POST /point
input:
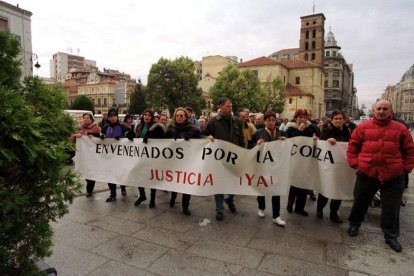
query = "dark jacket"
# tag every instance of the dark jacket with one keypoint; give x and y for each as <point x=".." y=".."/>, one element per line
<point x="155" y="131"/>
<point x="112" y="131"/>
<point x="340" y="135"/>
<point x="263" y="134"/>
<point x="381" y="149"/>
<point x="293" y="131"/>
<point x="229" y="129"/>
<point x="182" y="131"/>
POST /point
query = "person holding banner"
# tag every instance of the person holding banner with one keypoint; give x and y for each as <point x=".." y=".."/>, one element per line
<point x="88" y="128"/>
<point x="300" y="127"/>
<point x="225" y="126"/>
<point x="113" y="130"/>
<point x="182" y="128"/>
<point x="333" y="132"/>
<point x="148" y="129"/>
<point x="381" y="151"/>
<point x="268" y="134"/>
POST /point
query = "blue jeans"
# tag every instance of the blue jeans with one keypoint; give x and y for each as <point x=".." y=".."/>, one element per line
<point x="220" y="202"/>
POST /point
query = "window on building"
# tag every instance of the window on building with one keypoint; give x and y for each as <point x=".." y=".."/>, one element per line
<point x="99" y="101"/>
<point x="326" y="83"/>
<point x="255" y="72"/>
<point x="4" y="27"/>
<point x="306" y="56"/>
<point x="314" y="33"/>
<point x="327" y="53"/>
<point x="297" y="80"/>
<point x="313" y="56"/>
<point x="326" y="74"/>
<point x="284" y="79"/>
<point x="290" y="100"/>
<point x="335" y="83"/>
<point x="307" y="34"/>
<point x="313" y="45"/>
<point x="334" y="54"/>
<point x="105" y="102"/>
<point x="336" y="73"/>
<point x="306" y="46"/>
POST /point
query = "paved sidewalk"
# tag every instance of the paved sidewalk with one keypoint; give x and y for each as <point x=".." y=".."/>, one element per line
<point x="117" y="238"/>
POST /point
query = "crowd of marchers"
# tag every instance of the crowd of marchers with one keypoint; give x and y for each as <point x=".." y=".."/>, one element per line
<point x="381" y="150"/>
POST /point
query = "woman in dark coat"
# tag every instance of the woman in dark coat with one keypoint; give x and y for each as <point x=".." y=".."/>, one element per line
<point x="148" y="129"/>
<point x="300" y="127"/>
<point x="182" y="128"/>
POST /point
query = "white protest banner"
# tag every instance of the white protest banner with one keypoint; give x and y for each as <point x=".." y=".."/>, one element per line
<point x="197" y="167"/>
<point x="320" y="166"/>
<point x="201" y="167"/>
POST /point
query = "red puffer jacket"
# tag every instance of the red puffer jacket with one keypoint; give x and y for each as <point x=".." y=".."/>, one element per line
<point x="381" y="149"/>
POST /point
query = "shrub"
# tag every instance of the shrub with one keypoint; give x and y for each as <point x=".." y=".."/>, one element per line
<point x="35" y="183"/>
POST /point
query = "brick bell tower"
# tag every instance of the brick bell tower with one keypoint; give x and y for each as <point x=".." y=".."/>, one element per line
<point x="312" y="38"/>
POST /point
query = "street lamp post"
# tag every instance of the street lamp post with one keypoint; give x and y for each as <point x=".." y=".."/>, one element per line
<point x="35" y="58"/>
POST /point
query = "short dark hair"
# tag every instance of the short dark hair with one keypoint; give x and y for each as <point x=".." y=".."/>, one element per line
<point x="223" y="100"/>
<point x="269" y="114"/>
<point x="337" y="112"/>
<point x="127" y="117"/>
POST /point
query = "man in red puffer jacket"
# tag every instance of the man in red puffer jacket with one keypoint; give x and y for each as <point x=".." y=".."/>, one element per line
<point x="382" y="152"/>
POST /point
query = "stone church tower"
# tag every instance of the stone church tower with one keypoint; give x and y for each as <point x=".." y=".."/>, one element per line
<point x="312" y="38"/>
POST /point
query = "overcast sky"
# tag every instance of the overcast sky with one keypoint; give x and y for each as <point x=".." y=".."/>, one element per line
<point x="129" y="36"/>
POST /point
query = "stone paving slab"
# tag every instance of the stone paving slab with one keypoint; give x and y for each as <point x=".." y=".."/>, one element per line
<point x="116" y="225"/>
<point x="165" y="237"/>
<point x="113" y="268"/>
<point x="293" y="245"/>
<point x="229" y="253"/>
<point x="178" y="263"/>
<point x="71" y="261"/>
<point x="232" y="233"/>
<point x="369" y="260"/>
<point x="83" y="236"/>
<point x="130" y="251"/>
<point x="281" y="265"/>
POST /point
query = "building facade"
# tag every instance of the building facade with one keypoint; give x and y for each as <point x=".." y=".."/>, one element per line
<point x="207" y="72"/>
<point x="303" y="82"/>
<point x="339" y="78"/>
<point x="62" y="63"/>
<point x="285" y="54"/>
<point x="17" y="21"/>
<point x="403" y="97"/>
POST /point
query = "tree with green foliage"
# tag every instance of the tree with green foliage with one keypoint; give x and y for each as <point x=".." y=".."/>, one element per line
<point x="242" y="87"/>
<point x="138" y="99"/>
<point x="35" y="183"/>
<point x="10" y="65"/>
<point x="172" y="84"/>
<point x="82" y="102"/>
<point x="274" y="91"/>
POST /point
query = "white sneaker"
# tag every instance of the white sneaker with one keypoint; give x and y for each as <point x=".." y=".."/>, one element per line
<point x="279" y="221"/>
<point x="261" y="213"/>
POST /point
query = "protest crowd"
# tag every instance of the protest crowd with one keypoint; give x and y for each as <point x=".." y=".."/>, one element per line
<point x="380" y="150"/>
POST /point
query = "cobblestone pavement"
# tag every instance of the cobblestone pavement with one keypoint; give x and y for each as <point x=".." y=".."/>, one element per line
<point x="117" y="238"/>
